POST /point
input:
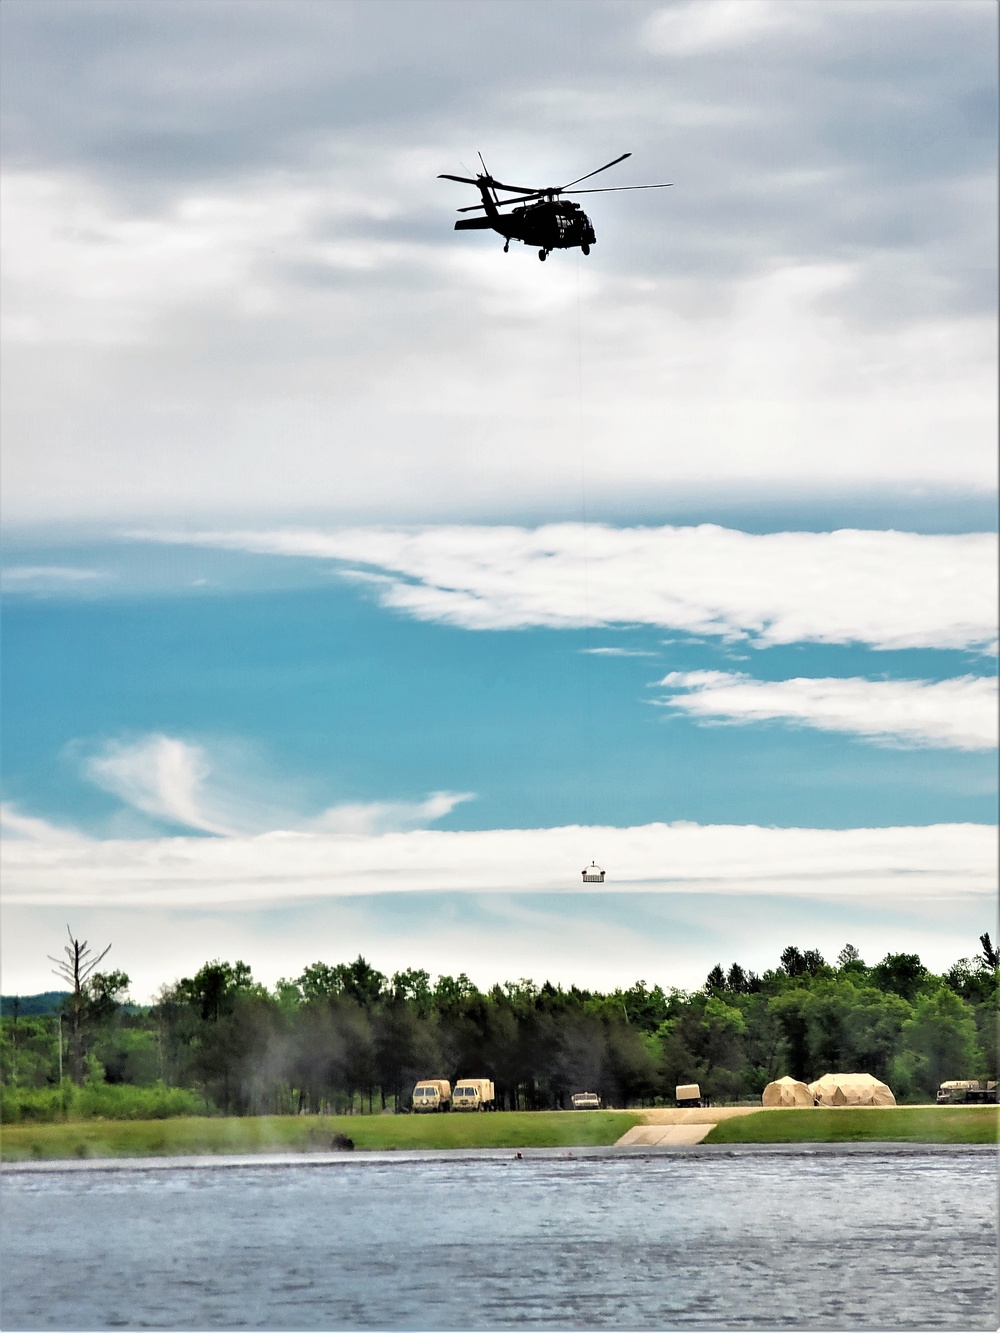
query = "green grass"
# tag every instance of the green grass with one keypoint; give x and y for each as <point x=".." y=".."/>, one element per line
<point x="290" y="1133"/>
<point x="897" y="1124"/>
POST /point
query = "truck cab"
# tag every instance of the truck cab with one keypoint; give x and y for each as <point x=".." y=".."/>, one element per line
<point x="474" y="1094"/>
<point x="432" y="1094"/>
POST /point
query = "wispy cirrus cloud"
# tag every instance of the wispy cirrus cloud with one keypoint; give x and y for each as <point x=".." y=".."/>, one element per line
<point x="179" y="781"/>
<point x="34" y="578"/>
<point x="617" y="652"/>
<point x="960" y="713"/>
<point x="883" y="588"/>
<point x="162" y="776"/>
<point x="367" y="818"/>
<point x="932" y="862"/>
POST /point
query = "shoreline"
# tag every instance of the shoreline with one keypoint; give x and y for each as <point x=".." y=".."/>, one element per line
<point x="416" y="1156"/>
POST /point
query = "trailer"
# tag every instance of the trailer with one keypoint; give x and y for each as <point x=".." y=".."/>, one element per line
<point x="689" y="1095"/>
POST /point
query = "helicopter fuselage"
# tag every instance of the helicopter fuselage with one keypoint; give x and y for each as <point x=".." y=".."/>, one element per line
<point x="551" y="224"/>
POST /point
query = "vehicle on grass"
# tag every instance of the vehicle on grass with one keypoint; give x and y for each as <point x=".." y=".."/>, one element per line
<point x="432" y="1094"/>
<point x="586" y="1101"/>
<point x="689" y="1095"/>
<point x="969" y="1091"/>
<point x="474" y="1094"/>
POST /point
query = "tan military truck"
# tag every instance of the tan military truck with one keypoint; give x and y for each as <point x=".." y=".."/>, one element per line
<point x="474" y="1094"/>
<point x="959" y="1091"/>
<point x="585" y="1101"/>
<point x="432" y="1094"/>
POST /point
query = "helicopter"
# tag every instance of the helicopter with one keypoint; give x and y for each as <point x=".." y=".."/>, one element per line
<point x="539" y="217"/>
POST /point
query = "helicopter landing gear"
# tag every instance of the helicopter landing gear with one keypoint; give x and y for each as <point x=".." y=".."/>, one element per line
<point x="543" y="255"/>
<point x="506" y="246"/>
<point x="585" y="249"/>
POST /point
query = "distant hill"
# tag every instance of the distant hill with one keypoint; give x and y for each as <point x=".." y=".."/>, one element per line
<point x="31" y="1006"/>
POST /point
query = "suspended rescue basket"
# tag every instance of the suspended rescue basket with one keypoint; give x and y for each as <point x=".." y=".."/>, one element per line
<point x="593" y="874"/>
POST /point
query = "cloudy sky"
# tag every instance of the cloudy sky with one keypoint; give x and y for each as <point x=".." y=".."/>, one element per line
<point x="363" y="582"/>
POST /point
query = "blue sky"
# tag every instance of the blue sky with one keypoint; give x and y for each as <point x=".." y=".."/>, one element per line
<point x="332" y="698"/>
<point x="362" y="583"/>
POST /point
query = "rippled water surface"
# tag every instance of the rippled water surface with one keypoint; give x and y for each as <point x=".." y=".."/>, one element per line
<point x="746" y="1240"/>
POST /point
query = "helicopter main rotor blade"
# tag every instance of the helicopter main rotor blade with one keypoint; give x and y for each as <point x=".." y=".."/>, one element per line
<point x="597" y="172"/>
<point x="471" y="208"/>
<point x="610" y="189"/>
<point x="488" y="180"/>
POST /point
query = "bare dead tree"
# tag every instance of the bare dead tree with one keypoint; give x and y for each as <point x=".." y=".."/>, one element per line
<point x="75" y="969"/>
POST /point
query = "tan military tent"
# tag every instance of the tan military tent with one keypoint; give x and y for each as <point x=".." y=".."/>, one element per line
<point x="786" y="1092"/>
<point x="851" y="1090"/>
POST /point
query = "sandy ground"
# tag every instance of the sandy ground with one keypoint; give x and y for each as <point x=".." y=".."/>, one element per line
<point x="657" y="1136"/>
<point x="698" y="1115"/>
<point x="667" y="1125"/>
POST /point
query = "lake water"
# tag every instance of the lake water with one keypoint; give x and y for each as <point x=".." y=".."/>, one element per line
<point x="876" y="1239"/>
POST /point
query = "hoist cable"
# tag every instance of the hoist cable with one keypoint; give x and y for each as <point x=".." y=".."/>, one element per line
<point x="587" y="670"/>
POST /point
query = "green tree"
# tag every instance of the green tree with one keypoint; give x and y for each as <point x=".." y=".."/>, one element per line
<point x="362" y="983"/>
<point x="724" y="1032"/>
<point x="214" y="988"/>
<point x="940" y="1039"/>
<point x="902" y="973"/>
<point x="715" y="982"/>
<point x="794" y="1052"/>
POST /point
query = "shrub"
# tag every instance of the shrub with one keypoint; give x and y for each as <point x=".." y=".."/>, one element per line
<point x="106" y="1101"/>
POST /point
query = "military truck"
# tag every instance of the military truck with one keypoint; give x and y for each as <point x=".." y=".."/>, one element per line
<point x="432" y="1094"/>
<point x="958" y="1091"/>
<point x="474" y="1094"/>
<point x="585" y="1101"/>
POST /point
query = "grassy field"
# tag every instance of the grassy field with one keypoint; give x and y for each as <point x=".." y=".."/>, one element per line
<point x="514" y="1129"/>
<point x="290" y="1133"/>
<point x="897" y="1124"/>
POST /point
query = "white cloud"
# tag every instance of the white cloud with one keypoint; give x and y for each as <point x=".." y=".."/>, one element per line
<point x="617" y="652"/>
<point x="15" y="577"/>
<point x="887" y="589"/>
<point x="960" y="713"/>
<point x="719" y="25"/>
<point x="179" y="781"/>
<point x="79" y="270"/>
<point x="373" y="817"/>
<point x="936" y="861"/>
<point x="15" y="824"/>
<point x="212" y="282"/>
<point x="160" y="775"/>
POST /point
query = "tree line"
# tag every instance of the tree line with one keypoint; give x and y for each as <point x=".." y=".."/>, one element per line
<point x="346" y="1038"/>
